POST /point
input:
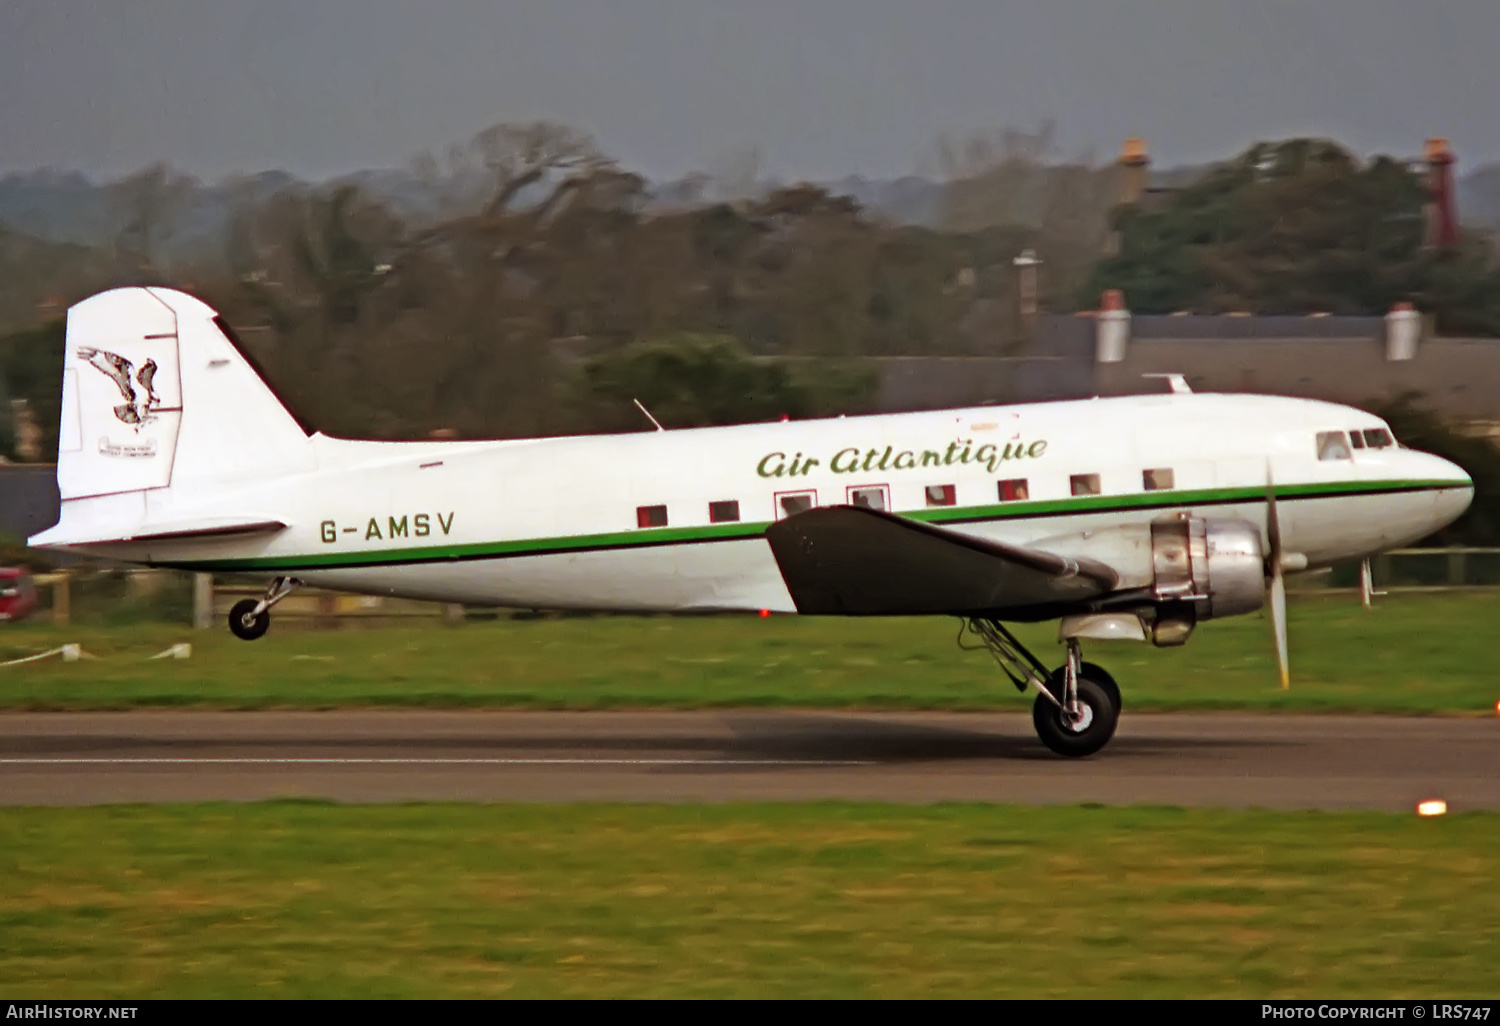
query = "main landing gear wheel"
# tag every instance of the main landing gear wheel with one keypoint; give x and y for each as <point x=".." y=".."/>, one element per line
<point x="1077" y="705"/>
<point x="1087" y="730"/>
<point x="246" y="623"/>
<point x="1099" y="675"/>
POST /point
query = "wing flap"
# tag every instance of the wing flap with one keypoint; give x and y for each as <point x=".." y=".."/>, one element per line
<point x="860" y="562"/>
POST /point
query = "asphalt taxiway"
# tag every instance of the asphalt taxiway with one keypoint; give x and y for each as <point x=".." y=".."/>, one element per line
<point x="1230" y="760"/>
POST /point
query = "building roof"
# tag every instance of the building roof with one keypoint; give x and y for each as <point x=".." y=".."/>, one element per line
<point x="29" y="501"/>
<point x="1340" y="359"/>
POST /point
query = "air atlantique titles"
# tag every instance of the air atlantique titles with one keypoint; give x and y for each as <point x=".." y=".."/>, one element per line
<point x="857" y="461"/>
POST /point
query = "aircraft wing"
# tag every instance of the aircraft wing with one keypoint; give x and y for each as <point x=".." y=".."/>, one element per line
<point x="849" y="560"/>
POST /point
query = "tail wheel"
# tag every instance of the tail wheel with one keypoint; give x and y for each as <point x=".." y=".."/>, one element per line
<point x="244" y="622"/>
<point x="1099" y="713"/>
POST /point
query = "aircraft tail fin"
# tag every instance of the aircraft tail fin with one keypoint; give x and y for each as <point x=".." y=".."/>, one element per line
<point x="161" y="408"/>
<point x="157" y="393"/>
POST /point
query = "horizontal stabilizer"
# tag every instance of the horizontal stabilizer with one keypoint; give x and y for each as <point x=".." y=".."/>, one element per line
<point x="848" y="560"/>
<point x="206" y="528"/>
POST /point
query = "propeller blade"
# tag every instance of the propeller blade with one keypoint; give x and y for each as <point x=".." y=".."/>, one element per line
<point x="1276" y="599"/>
<point x="1276" y="581"/>
<point x="1273" y="523"/>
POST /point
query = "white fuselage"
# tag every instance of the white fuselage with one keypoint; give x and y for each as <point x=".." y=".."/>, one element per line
<point x="556" y="523"/>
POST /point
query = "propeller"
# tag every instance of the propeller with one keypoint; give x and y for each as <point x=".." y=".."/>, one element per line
<point x="1276" y="581"/>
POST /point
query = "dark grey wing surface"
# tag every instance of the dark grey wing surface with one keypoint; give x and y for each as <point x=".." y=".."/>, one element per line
<point x="852" y="561"/>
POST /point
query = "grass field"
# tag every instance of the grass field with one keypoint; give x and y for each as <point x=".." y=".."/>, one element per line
<point x="1415" y="654"/>
<point x="301" y="899"/>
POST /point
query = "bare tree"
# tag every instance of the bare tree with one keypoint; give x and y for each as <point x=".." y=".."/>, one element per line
<point x="144" y="205"/>
<point x="520" y="156"/>
<point x="976" y="153"/>
<point x="735" y="175"/>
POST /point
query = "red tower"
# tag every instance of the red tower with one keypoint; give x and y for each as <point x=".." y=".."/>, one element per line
<point x="1442" y="213"/>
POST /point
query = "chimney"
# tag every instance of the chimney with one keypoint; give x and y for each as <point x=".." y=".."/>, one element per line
<point x="1026" y="288"/>
<point x="1134" y="164"/>
<point x="1112" y="329"/>
<point x="1442" y="206"/>
<point x="1403" y="330"/>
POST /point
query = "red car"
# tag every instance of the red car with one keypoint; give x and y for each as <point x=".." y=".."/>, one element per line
<point x="17" y="594"/>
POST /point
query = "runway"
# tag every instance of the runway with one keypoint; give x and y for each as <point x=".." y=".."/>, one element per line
<point x="1229" y="760"/>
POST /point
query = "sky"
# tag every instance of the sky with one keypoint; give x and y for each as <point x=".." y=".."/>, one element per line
<point x="819" y="89"/>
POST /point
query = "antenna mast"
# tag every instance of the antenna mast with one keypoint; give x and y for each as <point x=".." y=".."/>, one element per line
<point x="647" y="412"/>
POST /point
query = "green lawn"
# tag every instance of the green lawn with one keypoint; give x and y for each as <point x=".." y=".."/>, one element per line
<point x="1417" y="654"/>
<point x="303" y="899"/>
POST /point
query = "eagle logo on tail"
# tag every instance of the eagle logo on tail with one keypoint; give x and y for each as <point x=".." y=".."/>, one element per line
<point x="133" y="411"/>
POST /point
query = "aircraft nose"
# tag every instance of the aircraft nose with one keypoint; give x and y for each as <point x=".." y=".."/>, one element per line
<point x="1456" y="493"/>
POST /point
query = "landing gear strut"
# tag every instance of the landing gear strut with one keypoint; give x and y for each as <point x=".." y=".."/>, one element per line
<point x="250" y="618"/>
<point x="1077" y="705"/>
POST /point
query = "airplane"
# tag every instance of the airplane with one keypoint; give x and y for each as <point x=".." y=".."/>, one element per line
<point x="1132" y="518"/>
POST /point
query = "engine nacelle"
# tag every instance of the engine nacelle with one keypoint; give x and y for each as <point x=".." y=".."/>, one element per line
<point x="1203" y="569"/>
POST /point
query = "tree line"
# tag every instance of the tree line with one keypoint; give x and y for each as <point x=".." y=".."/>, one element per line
<point x="541" y="287"/>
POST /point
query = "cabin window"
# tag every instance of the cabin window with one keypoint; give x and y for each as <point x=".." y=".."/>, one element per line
<point x="1159" y="480"/>
<point x="1378" y="438"/>
<point x="723" y="512"/>
<point x="1085" y="484"/>
<point x="651" y="516"/>
<point x="789" y="504"/>
<point x="1333" y="445"/>
<point x="870" y="497"/>
<point x="1014" y="490"/>
<point x="941" y="495"/>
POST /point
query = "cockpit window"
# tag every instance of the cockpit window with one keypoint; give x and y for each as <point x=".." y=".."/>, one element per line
<point x="1378" y="438"/>
<point x="1333" y="445"/>
<point x="1356" y="439"/>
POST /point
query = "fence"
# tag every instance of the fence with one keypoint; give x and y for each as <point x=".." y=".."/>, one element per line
<point x="1397" y="572"/>
<point x="207" y="601"/>
<point x="1410" y="570"/>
